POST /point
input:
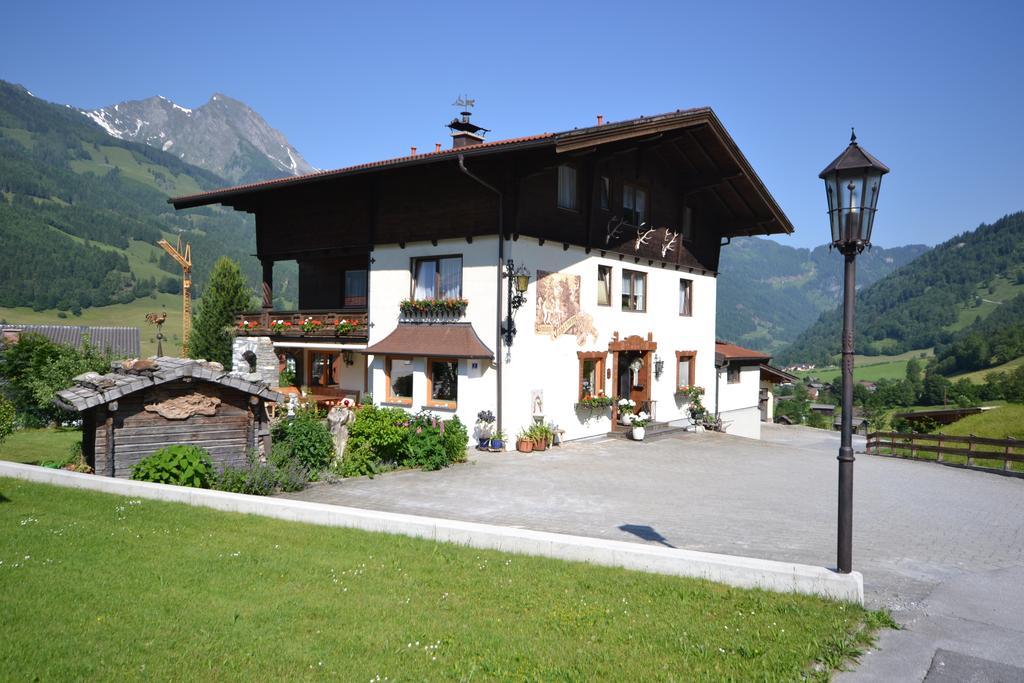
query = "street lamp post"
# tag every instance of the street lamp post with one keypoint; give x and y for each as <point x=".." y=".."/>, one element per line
<point x="852" y="184"/>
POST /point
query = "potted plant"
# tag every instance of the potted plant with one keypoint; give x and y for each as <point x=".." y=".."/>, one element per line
<point x="345" y="327"/>
<point x="639" y="423"/>
<point x="524" y="442"/>
<point x="484" y="429"/>
<point x="693" y="393"/>
<point x="538" y="433"/>
<point x="626" y="406"/>
<point x="498" y="441"/>
<point x="247" y="326"/>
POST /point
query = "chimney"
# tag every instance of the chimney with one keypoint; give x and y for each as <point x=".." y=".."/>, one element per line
<point x="465" y="132"/>
<point x="437" y="146"/>
<point x="600" y="120"/>
<point x="412" y="151"/>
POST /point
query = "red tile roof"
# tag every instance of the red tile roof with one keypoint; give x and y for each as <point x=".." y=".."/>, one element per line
<point x="734" y="352"/>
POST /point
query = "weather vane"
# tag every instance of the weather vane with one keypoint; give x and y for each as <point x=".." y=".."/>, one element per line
<point x="464" y="102"/>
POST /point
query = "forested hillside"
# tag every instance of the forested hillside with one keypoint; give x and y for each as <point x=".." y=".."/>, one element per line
<point x="80" y="211"/>
<point x="986" y="342"/>
<point x="769" y="292"/>
<point x="927" y="302"/>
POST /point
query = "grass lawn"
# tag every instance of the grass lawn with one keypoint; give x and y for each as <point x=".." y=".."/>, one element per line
<point x="94" y="586"/>
<point x="999" y="423"/>
<point x="1006" y="420"/>
<point x="36" y="445"/>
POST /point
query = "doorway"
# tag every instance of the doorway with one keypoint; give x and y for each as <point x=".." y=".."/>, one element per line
<point x="633" y="380"/>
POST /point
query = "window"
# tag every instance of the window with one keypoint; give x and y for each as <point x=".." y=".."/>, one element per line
<point x="685" y="297"/>
<point x="733" y="373"/>
<point x="604" y="285"/>
<point x="591" y="373"/>
<point x="442" y="383"/>
<point x="686" y="366"/>
<point x="606" y="191"/>
<point x="398" y="373"/>
<point x="355" y="289"/>
<point x="634" y="204"/>
<point x="567" y="188"/>
<point x="634" y="289"/>
<point x="438" y="278"/>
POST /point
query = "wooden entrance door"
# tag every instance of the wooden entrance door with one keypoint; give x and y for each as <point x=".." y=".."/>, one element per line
<point x="634" y="384"/>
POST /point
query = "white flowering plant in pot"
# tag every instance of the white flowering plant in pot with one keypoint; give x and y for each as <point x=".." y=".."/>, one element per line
<point x="626" y="406"/>
<point x="639" y="423"/>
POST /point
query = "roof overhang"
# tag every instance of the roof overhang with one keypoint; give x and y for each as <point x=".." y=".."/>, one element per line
<point x="776" y="376"/>
<point x="433" y="340"/>
<point x="702" y="129"/>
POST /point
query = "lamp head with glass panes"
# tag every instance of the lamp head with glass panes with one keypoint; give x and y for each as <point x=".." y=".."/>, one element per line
<point x="852" y="184"/>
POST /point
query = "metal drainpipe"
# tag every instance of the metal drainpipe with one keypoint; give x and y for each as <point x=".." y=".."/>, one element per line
<point x="501" y="264"/>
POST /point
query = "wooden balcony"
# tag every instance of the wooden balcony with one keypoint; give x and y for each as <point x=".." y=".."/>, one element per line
<point x="344" y="324"/>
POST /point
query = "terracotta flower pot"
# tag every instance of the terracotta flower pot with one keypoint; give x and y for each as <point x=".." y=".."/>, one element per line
<point x="540" y="444"/>
<point x="524" y="445"/>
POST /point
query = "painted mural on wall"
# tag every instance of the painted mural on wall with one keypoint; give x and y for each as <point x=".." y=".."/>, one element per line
<point x="558" y="307"/>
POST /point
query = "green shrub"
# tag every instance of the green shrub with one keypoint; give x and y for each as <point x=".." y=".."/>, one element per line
<point x="292" y="477"/>
<point x="385" y="429"/>
<point x="180" y="465"/>
<point x="7" y="417"/>
<point x="390" y="437"/>
<point x="303" y="439"/>
<point x="455" y="438"/>
<point x="257" y="479"/>
<point x="425" y="450"/>
<point x="360" y="461"/>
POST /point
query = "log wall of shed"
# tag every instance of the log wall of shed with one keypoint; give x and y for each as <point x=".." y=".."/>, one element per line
<point x="133" y="433"/>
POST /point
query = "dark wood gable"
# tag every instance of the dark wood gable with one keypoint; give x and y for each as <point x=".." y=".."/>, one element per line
<point x="694" y="176"/>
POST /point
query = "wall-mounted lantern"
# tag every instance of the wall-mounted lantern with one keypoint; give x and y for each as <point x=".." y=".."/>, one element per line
<point x="518" y="282"/>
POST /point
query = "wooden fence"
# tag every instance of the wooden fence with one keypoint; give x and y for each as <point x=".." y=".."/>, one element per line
<point x="972" y="451"/>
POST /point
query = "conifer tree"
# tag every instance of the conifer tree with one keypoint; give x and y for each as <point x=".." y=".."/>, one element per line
<point x="225" y="294"/>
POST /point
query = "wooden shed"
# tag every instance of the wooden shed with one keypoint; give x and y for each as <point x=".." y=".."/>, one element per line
<point x="144" y="405"/>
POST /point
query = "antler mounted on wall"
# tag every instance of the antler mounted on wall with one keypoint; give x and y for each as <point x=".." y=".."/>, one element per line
<point x="642" y="236"/>
<point x="613" y="229"/>
<point x="667" y="244"/>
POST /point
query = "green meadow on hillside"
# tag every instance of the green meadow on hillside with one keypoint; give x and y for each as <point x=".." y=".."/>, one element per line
<point x="131" y="315"/>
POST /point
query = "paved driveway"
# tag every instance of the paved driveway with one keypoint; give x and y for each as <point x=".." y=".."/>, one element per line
<point x="942" y="548"/>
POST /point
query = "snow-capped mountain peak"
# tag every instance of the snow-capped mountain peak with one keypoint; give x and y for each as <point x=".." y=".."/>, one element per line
<point x="224" y="136"/>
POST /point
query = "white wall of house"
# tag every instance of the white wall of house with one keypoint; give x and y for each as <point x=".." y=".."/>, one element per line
<point x="542" y="363"/>
<point x="738" y="402"/>
<point x="390" y="281"/>
<point x="538" y="361"/>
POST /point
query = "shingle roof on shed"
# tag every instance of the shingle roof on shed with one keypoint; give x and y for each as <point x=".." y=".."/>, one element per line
<point x="93" y="389"/>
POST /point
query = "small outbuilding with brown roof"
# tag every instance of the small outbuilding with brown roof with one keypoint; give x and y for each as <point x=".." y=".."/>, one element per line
<point x="145" y="405"/>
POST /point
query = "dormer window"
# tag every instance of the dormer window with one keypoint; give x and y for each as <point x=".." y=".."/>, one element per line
<point x="567" y="186"/>
<point x="634" y="204"/>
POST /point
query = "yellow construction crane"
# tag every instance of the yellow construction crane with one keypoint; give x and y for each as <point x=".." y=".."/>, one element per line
<point x="184" y="259"/>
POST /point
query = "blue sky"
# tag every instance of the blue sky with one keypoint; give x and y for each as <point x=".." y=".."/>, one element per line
<point x="935" y="89"/>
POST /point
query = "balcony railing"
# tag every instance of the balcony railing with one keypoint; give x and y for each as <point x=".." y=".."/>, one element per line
<point x="345" y="323"/>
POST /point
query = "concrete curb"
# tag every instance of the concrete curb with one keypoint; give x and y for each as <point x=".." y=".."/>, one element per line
<point x="743" y="572"/>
